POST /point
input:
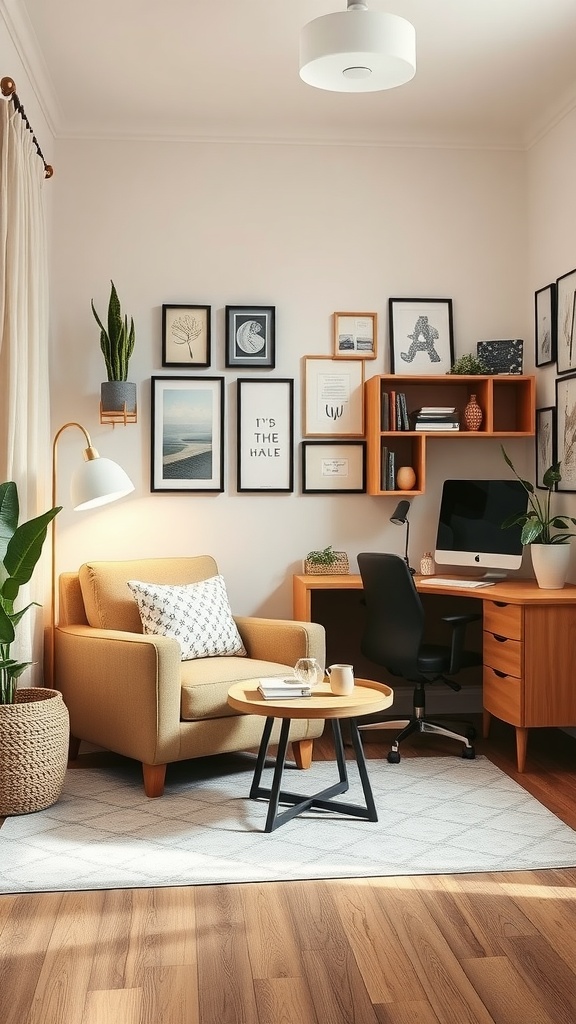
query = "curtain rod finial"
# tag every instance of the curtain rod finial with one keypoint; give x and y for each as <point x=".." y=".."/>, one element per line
<point x="8" y="86"/>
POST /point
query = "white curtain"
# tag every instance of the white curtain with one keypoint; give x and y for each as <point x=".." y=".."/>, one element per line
<point x="24" y="395"/>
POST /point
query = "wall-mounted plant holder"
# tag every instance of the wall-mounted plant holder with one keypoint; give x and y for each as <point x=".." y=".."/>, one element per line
<point x="118" y="402"/>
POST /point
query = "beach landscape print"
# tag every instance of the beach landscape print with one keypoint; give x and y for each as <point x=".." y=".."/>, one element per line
<point x="187" y="434"/>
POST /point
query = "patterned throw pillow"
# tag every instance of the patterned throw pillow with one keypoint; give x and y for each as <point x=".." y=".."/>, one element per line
<point x="197" y="615"/>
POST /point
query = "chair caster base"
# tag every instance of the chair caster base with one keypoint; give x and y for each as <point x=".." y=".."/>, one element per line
<point x="468" y="753"/>
<point x="394" y="757"/>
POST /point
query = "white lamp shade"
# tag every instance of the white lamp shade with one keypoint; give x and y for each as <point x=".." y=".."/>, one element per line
<point x="97" y="482"/>
<point x="357" y="51"/>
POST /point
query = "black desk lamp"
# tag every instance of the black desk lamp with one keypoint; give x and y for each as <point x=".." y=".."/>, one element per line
<point x="400" y="518"/>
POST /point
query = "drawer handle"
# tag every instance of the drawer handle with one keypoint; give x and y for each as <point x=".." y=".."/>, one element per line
<point x="500" y="639"/>
<point x="501" y="675"/>
<point x="501" y="604"/>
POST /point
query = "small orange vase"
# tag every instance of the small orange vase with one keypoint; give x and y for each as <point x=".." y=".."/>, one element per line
<point x="405" y="478"/>
<point x="472" y="414"/>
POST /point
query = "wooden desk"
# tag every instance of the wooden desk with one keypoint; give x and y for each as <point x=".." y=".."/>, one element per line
<point x="528" y="648"/>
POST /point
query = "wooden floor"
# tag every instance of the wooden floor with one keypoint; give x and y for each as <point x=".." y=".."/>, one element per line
<point x="458" y="949"/>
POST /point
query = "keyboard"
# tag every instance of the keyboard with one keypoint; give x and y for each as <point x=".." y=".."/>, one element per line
<point x="435" y="581"/>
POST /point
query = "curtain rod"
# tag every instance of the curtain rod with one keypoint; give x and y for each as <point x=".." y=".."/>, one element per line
<point x="8" y="87"/>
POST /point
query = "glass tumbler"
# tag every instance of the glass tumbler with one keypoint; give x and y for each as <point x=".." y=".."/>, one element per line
<point x="309" y="670"/>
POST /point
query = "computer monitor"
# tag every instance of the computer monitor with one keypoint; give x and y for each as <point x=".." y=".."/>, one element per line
<point x="470" y="525"/>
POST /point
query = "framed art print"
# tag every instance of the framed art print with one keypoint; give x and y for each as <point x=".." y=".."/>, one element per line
<point x="187" y="434"/>
<point x="421" y="336"/>
<point x="333" y="397"/>
<point x="333" y="467"/>
<point x="565" y="326"/>
<point x="545" y="442"/>
<point x="566" y="432"/>
<point x="251" y="336"/>
<point x="545" y="325"/>
<point x="355" y="335"/>
<point x="265" y="420"/>
<point x="185" y="335"/>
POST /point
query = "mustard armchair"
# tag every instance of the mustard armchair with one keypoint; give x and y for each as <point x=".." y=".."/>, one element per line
<point x="131" y="693"/>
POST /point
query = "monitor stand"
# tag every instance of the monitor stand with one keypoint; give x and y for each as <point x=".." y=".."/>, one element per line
<point x="494" y="574"/>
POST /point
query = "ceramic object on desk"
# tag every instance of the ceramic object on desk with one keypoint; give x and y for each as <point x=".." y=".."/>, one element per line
<point x="472" y="414"/>
<point x="405" y="478"/>
<point x="550" y="563"/>
<point x="427" y="565"/>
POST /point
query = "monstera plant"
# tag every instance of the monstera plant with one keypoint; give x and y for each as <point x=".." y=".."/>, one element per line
<point x="20" y="548"/>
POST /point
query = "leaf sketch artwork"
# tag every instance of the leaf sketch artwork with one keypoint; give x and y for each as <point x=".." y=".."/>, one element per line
<point x="185" y="335"/>
<point x="185" y="330"/>
<point x="565" y="319"/>
<point x="545" y="442"/>
<point x="566" y="432"/>
<point x="545" y="324"/>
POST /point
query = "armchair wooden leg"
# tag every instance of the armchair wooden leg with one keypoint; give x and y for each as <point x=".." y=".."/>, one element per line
<point x="73" y="747"/>
<point x="302" y="752"/>
<point x="154" y="779"/>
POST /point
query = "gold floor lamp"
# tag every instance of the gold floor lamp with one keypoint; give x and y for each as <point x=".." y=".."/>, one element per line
<point x="97" y="481"/>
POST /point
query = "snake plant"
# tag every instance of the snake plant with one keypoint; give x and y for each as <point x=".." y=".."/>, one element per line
<point x="116" y="342"/>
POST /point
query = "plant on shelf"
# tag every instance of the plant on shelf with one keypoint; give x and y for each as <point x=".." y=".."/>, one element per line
<point x="538" y="522"/>
<point x="326" y="561"/>
<point x="469" y="365"/>
<point x="117" y="344"/>
<point x="325" y="557"/>
<point x="20" y="549"/>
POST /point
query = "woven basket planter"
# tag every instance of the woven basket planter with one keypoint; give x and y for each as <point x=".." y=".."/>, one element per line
<point x="33" y="750"/>
<point x="338" y="568"/>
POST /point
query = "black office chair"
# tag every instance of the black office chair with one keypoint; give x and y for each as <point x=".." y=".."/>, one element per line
<point x="393" y="637"/>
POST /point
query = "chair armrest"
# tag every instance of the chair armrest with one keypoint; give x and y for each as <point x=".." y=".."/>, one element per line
<point x="282" y="640"/>
<point x="459" y="624"/>
<point x="122" y="690"/>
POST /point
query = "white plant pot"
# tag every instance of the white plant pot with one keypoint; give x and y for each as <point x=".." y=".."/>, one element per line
<point x="550" y="563"/>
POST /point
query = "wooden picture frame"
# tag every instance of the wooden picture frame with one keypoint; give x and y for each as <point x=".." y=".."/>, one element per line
<point x="265" y="429"/>
<point x="545" y="442"/>
<point x="355" y="335"/>
<point x="187" y="443"/>
<point x="333" y="397"/>
<point x="421" y="336"/>
<point x="566" y="322"/>
<point x="333" y="467"/>
<point x="251" y="336"/>
<point x="545" y="325"/>
<point x="566" y="432"/>
<point x="186" y="331"/>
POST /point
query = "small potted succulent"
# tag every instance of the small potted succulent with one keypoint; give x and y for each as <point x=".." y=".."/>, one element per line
<point x="118" y="394"/>
<point x="326" y="562"/>
<point x="33" y="720"/>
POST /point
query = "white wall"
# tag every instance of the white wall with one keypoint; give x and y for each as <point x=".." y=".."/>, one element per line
<point x="311" y="230"/>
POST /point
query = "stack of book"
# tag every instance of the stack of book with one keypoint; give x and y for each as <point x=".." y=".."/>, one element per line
<point x="388" y="469"/>
<point x="277" y="688"/>
<point x="393" y="411"/>
<point x="437" y="417"/>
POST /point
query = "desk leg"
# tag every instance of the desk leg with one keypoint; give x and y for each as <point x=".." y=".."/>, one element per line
<point x="521" y="747"/>
<point x="486" y="719"/>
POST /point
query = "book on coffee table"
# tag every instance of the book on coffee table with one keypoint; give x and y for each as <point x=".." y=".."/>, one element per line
<point x="274" y="688"/>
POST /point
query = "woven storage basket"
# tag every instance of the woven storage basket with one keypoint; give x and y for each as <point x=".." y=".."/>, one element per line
<point x="33" y="750"/>
<point x="338" y="568"/>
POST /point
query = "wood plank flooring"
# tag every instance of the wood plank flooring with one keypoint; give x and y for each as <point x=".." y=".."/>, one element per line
<point x="457" y="949"/>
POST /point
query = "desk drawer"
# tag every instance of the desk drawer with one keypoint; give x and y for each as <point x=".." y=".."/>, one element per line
<point x="502" y="696"/>
<point x="504" y="619"/>
<point x="503" y="654"/>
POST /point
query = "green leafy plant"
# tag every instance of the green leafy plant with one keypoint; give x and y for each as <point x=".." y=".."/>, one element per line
<point x="20" y="548"/>
<point x="116" y="342"/>
<point x="325" y="557"/>
<point x="538" y="522"/>
<point x="469" y="365"/>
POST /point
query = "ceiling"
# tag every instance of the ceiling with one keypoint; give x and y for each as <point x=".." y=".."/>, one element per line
<point x="489" y="72"/>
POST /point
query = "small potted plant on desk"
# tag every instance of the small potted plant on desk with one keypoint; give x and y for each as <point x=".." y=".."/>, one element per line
<point x="34" y="723"/>
<point x="550" y="550"/>
<point x="117" y="394"/>
<point x="326" y="562"/>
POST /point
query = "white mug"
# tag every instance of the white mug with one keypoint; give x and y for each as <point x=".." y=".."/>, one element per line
<point x="341" y="679"/>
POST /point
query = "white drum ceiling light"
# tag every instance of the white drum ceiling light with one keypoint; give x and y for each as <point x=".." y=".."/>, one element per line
<point x="357" y="50"/>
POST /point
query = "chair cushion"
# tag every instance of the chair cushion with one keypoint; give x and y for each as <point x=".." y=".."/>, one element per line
<point x="206" y="681"/>
<point x="197" y="615"/>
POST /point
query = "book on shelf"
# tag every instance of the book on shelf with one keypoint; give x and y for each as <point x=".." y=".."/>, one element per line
<point x="274" y="688"/>
<point x="428" y="426"/>
<point x="384" y="468"/>
<point x="437" y="410"/>
<point x="385" y="411"/>
<point x="391" y="472"/>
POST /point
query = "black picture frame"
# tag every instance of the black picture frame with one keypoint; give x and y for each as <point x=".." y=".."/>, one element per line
<point x="187" y="435"/>
<point x="545" y="325"/>
<point x="251" y="337"/>
<point x="545" y="442"/>
<point x="333" y="467"/>
<point x="566" y="432"/>
<point x="421" y="336"/>
<point x="566" y="322"/>
<point x="186" y="335"/>
<point x="265" y="435"/>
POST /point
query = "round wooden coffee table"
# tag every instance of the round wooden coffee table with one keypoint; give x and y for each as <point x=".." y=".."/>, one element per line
<point x="367" y="698"/>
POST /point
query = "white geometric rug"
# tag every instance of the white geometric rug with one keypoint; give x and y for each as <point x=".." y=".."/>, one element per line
<point x="436" y="816"/>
